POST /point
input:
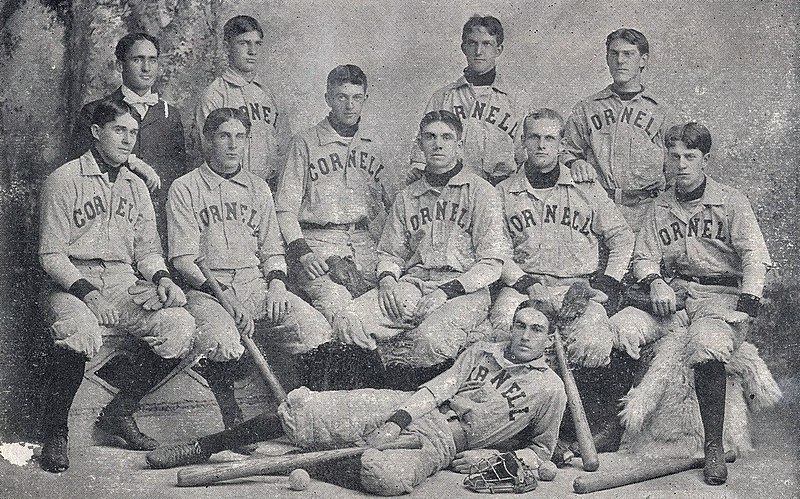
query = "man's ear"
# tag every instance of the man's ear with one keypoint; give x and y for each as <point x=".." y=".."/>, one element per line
<point x="118" y="65"/>
<point x="706" y="158"/>
<point x="328" y="100"/>
<point x="499" y="50"/>
<point x="95" y="129"/>
<point x="643" y="64"/>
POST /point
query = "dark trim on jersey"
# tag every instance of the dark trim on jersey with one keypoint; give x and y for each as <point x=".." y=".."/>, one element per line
<point x="276" y="274"/>
<point x="453" y="289"/>
<point x="540" y="180"/>
<point x="207" y="289"/>
<point x="401" y="418"/>
<point x="297" y="248"/>
<point x="440" y="179"/>
<point x="748" y="304"/>
<point x="692" y="195"/>
<point x="626" y="96"/>
<point x="480" y="80"/>
<point x="81" y="288"/>
<point x="341" y="129"/>
<point x="161" y="274"/>
<point x="523" y="283"/>
<point x="105" y="167"/>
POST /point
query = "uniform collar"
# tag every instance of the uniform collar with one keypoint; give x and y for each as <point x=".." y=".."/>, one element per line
<point x="327" y="135"/>
<point x="607" y="93"/>
<point x="237" y="80"/>
<point x="500" y="84"/>
<point x="213" y="180"/>
<point x="89" y="167"/>
<point x="714" y="195"/>
<point x="421" y="186"/>
<point x="519" y="181"/>
<point x="497" y="350"/>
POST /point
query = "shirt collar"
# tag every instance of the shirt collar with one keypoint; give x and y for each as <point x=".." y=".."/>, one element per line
<point x="327" y="135"/>
<point x="213" y="180"/>
<point x="129" y="95"/>
<point x="519" y="181"/>
<point x="497" y="350"/>
<point x="234" y="78"/>
<point x="714" y="195"/>
<point x="89" y="167"/>
<point x="421" y="186"/>
<point x="607" y="93"/>
<point x="500" y="84"/>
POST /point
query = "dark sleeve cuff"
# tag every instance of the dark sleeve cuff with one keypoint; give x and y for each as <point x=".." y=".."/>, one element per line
<point x="206" y="288"/>
<point x="568" y="163"/>
<point x="276" y="274"/>
<point x="401" y="418"/>
<point x="297" y="248"/>
<point x="453" y="289"/>
<point x="160" y="275"/>
<point x="386" y="273"/>
<point x="523" y="283"/>
<point x="81" y="288"/>
<point x="606" y="284"/>
<point x="648" y="280"/>
<point x="748" y="304"/>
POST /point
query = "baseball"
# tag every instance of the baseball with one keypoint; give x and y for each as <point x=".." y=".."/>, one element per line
<point x="299" y="479"/>
<point x="547" y="471"/>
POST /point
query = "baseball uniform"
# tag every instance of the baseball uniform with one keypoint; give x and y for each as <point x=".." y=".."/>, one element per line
<point x="435" y="235"/>
<point x="714" y="249"/>
<point x="98" y="230"/>
<point x="266" y="148"/>
<point x="491" y="121"/>
<point x="483" y="400"/>
<point x="555" y="233"/>
<point x="160" y="142"/>
<point x="624" y="141"/>
<point x="231" y="225"/>
<point x="331" y="194"/>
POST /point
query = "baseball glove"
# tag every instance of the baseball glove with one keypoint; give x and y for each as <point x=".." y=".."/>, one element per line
<point x="145" y="295"/>
<point x="501" y="474"/>
<point x="638" y="297"/>
<point x="343" y="271"/>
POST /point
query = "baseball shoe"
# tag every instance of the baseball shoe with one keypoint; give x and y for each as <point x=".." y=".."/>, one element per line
<point x="715" y="472"/>
<point x="172" y="456"/>
<point x="125" y="433"/>
<point x="55" y="457"/>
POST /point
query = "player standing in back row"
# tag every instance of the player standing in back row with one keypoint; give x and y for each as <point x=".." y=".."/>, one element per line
<point x="617" y="134"/>
<point x="240" y="87"/>
<point x="482" y="99"/>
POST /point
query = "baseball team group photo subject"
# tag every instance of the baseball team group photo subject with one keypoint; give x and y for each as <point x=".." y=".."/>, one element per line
<point x="367" y="249"/>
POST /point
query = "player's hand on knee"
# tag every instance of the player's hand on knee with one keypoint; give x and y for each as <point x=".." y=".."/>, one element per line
<point x="383" y="435"/>
<point x="106" y="313"/>
<point x="350" y="329"/>
<point x="170" y="294"/>
<point x="313" y="265"/>
<point x="582" y="171"/>
<point x="278" y="306"/>
<point x="662" y="298"/>
<point x="427" y="304"/>
<point x="388" y="299"/>
<point x="467" y="459"/>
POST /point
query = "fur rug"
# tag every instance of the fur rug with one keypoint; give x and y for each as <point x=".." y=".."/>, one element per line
<point x="661" y="416"/>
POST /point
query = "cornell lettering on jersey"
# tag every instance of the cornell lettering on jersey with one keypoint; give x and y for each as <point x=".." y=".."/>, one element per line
<point x="94" y="207"/>
<point x="706" y="229"/>
<point x="631" y="115"/>
<point x="440" y="212"/>
<point x="552" y="214"/>
<point x="356" y="159"/>
<point x="229" y="211"/>
<point x="490" y="114"/>
<point x="260" y="112"/>
<point x="512" y="393"/>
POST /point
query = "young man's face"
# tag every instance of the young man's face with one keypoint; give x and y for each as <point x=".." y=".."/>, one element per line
<point x="244" y="51"/>
<point x="541" y="141"/>
<point x="346" y="102"/>
<point x="441" y="146"/>
<point x="481" y="50"/>
<point x="625" y="62"/>
<point x="227" y="146"/>
<point x="140" y="67"/>
<point x="115" y="139"/>
<point x="689" y="165"/>
<point x="529" y="335"/>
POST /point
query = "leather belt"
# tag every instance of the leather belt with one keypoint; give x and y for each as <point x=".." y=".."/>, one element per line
<point x="459" y="435"/>
<point x="720" y="280"/>
<point x="632" y="197"/>
<point x="362" y="224"/>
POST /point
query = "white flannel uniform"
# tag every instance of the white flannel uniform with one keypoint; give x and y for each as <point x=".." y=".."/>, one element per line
<point x="97" y="230"/>
<point x="231" y="224"/>
<point x="715" y="236"/>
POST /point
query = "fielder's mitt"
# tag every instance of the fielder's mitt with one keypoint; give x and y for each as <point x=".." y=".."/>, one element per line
<point x="343" y="271"/>
<point x="501" y="474"/>
<point x="145" y="294"/>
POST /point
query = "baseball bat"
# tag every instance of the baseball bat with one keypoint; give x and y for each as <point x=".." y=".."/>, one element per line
<point x="206" y="475"/>
<point x="644" y="471"/>
<point x="573" y="305"/>
<point x="263" y="366"/>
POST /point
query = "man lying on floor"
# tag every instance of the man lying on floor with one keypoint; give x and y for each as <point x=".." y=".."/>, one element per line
<point x="493" y="392"/>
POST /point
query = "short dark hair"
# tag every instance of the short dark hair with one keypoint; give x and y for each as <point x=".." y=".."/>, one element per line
<point x="238" y="25"/>
<point x="631" y="36"/>
<point x="107" y="110"/>
<point x="126" y="42"/>
<point x="346" y="73"/>
<point x="220" y="115"/>
<point x="493" y="26"/>
<point x="445" y="117"/>
<point x="544" y="113"/>
<point x="693" y="135"/>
